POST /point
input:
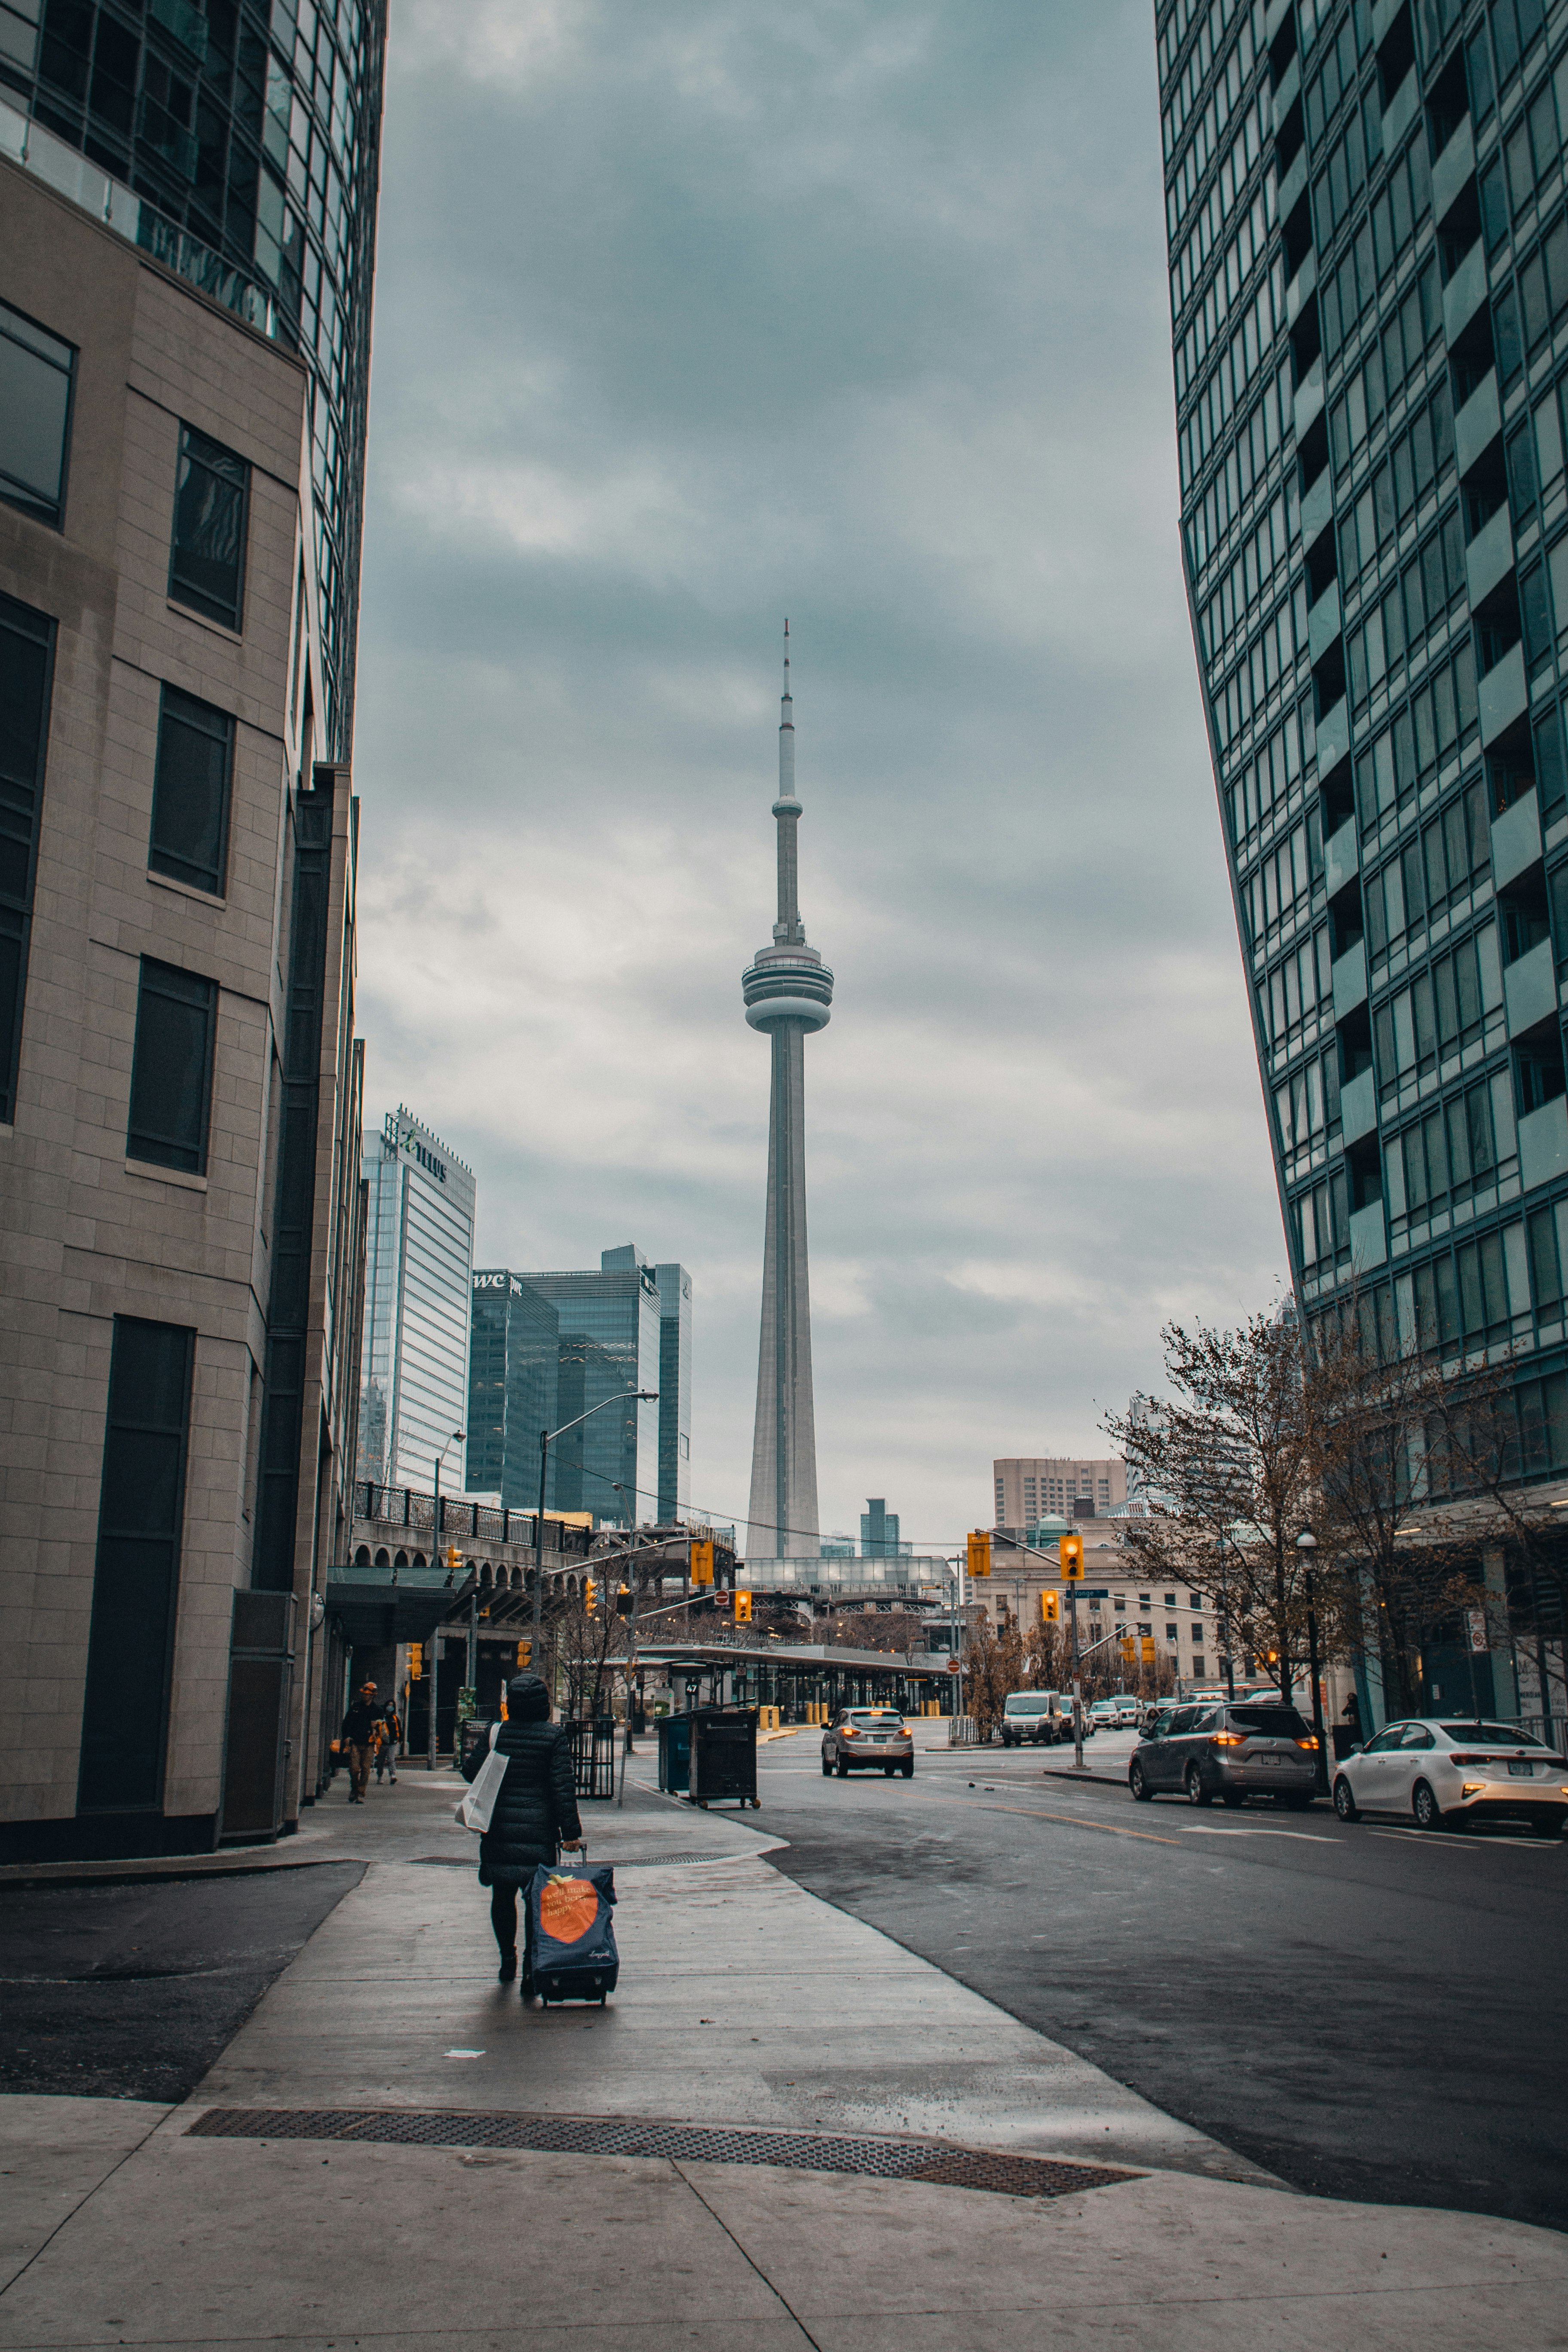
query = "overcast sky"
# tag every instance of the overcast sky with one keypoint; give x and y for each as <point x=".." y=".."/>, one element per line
<point x="690" y="316"/>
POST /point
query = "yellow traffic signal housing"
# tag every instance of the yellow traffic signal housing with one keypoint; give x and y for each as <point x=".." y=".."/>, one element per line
<point x="979" y="1550"/>
<point x="416" y="1661"/>
<point x="1050" y="1608"/>
<point x="701" y="1562"/>
<point x="590" y="1596"/>
<point x="452" y="1559"/>
<point x="1071" y="1550"/>
<point x="524" y="1656"/>
<point x="623" y="1600"/>
<point x="743" y="1608"/>
<point x="1148" y="1640"/>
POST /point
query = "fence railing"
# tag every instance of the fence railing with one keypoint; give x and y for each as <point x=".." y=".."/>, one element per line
<point x="963" y="1732"/>
<point x="593" y="1757"/>
<point x="406" y="1506"/>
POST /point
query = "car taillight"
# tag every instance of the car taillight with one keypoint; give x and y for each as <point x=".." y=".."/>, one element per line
<point x="1469" y="1760"/>
<point x="1309" y="1742"/>
<point x="1227" y="1740"/>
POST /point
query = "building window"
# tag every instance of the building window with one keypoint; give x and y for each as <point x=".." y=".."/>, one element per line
<point x="191" y="791"/>
<point x="171" y="1074"/>
<point x="140" y="1511"/>
<point x="37" y="374"/>
<point x="26" y="650"/>
<point x="206" y="561"/>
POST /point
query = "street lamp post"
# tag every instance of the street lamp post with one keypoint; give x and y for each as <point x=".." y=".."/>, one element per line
<point x="1306" y="1545"/>
<point x="434" y="1675"/>
<point x="546" y="1440"/>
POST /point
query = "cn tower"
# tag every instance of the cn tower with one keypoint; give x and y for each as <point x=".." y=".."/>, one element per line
<point x="788" y="991"/>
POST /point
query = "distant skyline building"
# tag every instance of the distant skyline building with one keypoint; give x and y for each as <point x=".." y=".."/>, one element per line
<point x="610" y="1345"/>
<point x="674" y="1392"/>
<point x="879" y="1530"/>
<point x="788" y="991"/>
<point x="419" y="1259"/>
<point x="513" y="1378"/>
<point x="1369" y="303"/>
<point x="1027" y="1488"/>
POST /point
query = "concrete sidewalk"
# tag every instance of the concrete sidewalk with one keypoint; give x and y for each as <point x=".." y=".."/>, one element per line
<point x="746" y="2003"/>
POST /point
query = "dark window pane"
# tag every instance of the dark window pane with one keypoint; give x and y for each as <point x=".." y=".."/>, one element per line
<point x="171" y="1075"/>
<point x="26" y="643"/>
<point x="191" y="791"/>
<point x="36" y="370"/>
<point x="206" y="565"/>
<point x="140" y="1512"/>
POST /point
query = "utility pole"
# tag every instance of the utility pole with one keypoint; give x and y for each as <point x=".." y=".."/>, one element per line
<point x="434" y="1643"/>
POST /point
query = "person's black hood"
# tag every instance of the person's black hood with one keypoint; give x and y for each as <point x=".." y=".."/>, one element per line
<point x="526" y="1700"/>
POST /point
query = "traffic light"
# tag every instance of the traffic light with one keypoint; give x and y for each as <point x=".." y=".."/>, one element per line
<point x="1147" y="1641"/>
<point x="979" y="1548"/>
<point x="590" y="1596"/>
<point x="623" y="1600"/>
<point x="416" y="1661"/>
<point x="452" y="1560"/>
<point x="1126" y="1645"/>
<point x="1071" y="1549"/>
<point x="1050" y="1608"/>
<point x="743" y="1608"/>
<point x="701" y="1562"/>
<point x="524" y="1656"/>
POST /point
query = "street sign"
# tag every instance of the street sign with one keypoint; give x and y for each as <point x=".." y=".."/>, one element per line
<point x="953" y="1666"/>
<point x="1478" y="1618"/>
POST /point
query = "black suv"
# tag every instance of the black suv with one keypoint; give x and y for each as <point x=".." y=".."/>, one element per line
<point x="1230" y="1749"/>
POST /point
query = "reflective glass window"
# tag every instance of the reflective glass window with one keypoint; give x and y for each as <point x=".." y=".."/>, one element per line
<point x="206" y="561"/>
<point x="36" y="370"/>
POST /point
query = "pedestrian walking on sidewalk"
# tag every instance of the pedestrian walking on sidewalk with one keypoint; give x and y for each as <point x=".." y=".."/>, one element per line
<point x="387" y="1746"/>
<point x="361" y="1729"/>
<point x="535" y="1812"/>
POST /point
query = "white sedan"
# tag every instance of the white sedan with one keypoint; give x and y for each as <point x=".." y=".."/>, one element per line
<point x="1435" y="1771"/>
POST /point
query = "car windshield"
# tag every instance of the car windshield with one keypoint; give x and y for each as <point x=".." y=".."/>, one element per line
<point x="1276" y="1722"/>
<point x="1505" y="1735"/>
<point x="879" y="1718"/>
<point x="1029" y="1702"/>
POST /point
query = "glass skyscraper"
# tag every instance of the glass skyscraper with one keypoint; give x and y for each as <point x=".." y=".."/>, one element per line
<point x="418" y="1281"/>
<point x="236" y="142"/>
<point x="513" y="1378"/>
<point x="610" y="1346"/>
<point x="1369" y="286"/>
<point x="674" y="1392"/>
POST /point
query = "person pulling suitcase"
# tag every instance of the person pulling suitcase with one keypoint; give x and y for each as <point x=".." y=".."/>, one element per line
<point x="534" y="1815"/>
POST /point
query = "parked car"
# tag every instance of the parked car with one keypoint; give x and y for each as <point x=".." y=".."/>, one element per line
<point x="1217" y="1749"/>
<point x="1433" y="1769"/>
<point x="1104" y="1714"/>
<point x="868" y="1739"/>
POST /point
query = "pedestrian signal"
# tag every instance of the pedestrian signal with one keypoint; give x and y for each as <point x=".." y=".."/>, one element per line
<point x="524" y="1656"/>
<point x="623" y="1600"/>
<point x="416" y="1661"/>
<point x="590" y="1596"/>
<point x="979" y="1552"/>
<point x="743" y="1608"/>
<point x="701" y="1562"/>
<point x="1071" y="1548"/>
<point x="1050" y="1608"/>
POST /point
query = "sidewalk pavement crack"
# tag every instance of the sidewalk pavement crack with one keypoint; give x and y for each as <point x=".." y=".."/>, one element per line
<point x="682" y="2174"/>
<point x="86" y="2198"/>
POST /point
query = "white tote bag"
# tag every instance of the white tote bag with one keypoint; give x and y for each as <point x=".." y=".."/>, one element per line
<point x="480" y="1799"/>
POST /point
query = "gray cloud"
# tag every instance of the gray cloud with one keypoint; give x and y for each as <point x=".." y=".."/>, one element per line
<point x="689" y="317"/>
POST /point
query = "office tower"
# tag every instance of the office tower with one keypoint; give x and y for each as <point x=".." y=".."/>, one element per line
<point x="513" y="1371"/>
<point x="1369" y="287"/>
<point x="787" y="989"/>
<point x="1027" y="1488"/>
<point x="180" y="1090"/>
<point x="879" y="1530"/>
<point x="418" y="1306"/>
<point x="674" y="1392"/>
<point x="238" y="146"/>
<point x="610" y="1346"/>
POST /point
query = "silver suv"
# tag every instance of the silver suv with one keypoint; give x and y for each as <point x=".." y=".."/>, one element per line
<point x="1231" y="1750"/>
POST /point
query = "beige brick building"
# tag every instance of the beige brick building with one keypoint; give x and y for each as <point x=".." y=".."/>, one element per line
<point x="1026" y="1489"/>
<point x="179" y="1089"/>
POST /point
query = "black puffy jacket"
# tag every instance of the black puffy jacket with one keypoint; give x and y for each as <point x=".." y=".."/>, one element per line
<point x="536" y="1805"/>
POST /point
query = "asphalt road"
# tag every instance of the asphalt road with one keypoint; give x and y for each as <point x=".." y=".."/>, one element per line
<point x="120" y="1991"/>
<point x="1365" y="2011"/>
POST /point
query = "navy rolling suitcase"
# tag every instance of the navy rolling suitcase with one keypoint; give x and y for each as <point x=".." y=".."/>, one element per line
<point x="570" y="1931"/>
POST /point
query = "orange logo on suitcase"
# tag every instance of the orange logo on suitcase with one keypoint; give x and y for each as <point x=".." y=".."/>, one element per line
<point x="568" y="1908"/>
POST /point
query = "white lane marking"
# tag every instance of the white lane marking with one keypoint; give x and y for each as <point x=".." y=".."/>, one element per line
<point x="1206" y="1829"/>
<point x="1466" y="1844"/>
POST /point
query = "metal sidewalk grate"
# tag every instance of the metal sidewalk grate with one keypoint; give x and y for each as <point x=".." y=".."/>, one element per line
<point x="883" y="2159"/>
<point x="616" y="1861"/>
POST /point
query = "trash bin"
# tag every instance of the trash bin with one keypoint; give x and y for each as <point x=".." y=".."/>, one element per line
<point x="724" y="1757"/>
<point x="675" y="1754"/>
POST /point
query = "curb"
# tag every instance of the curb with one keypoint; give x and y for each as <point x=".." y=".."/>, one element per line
<point x="149" y="1871"/>
<point x="1070" y="1772"/>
